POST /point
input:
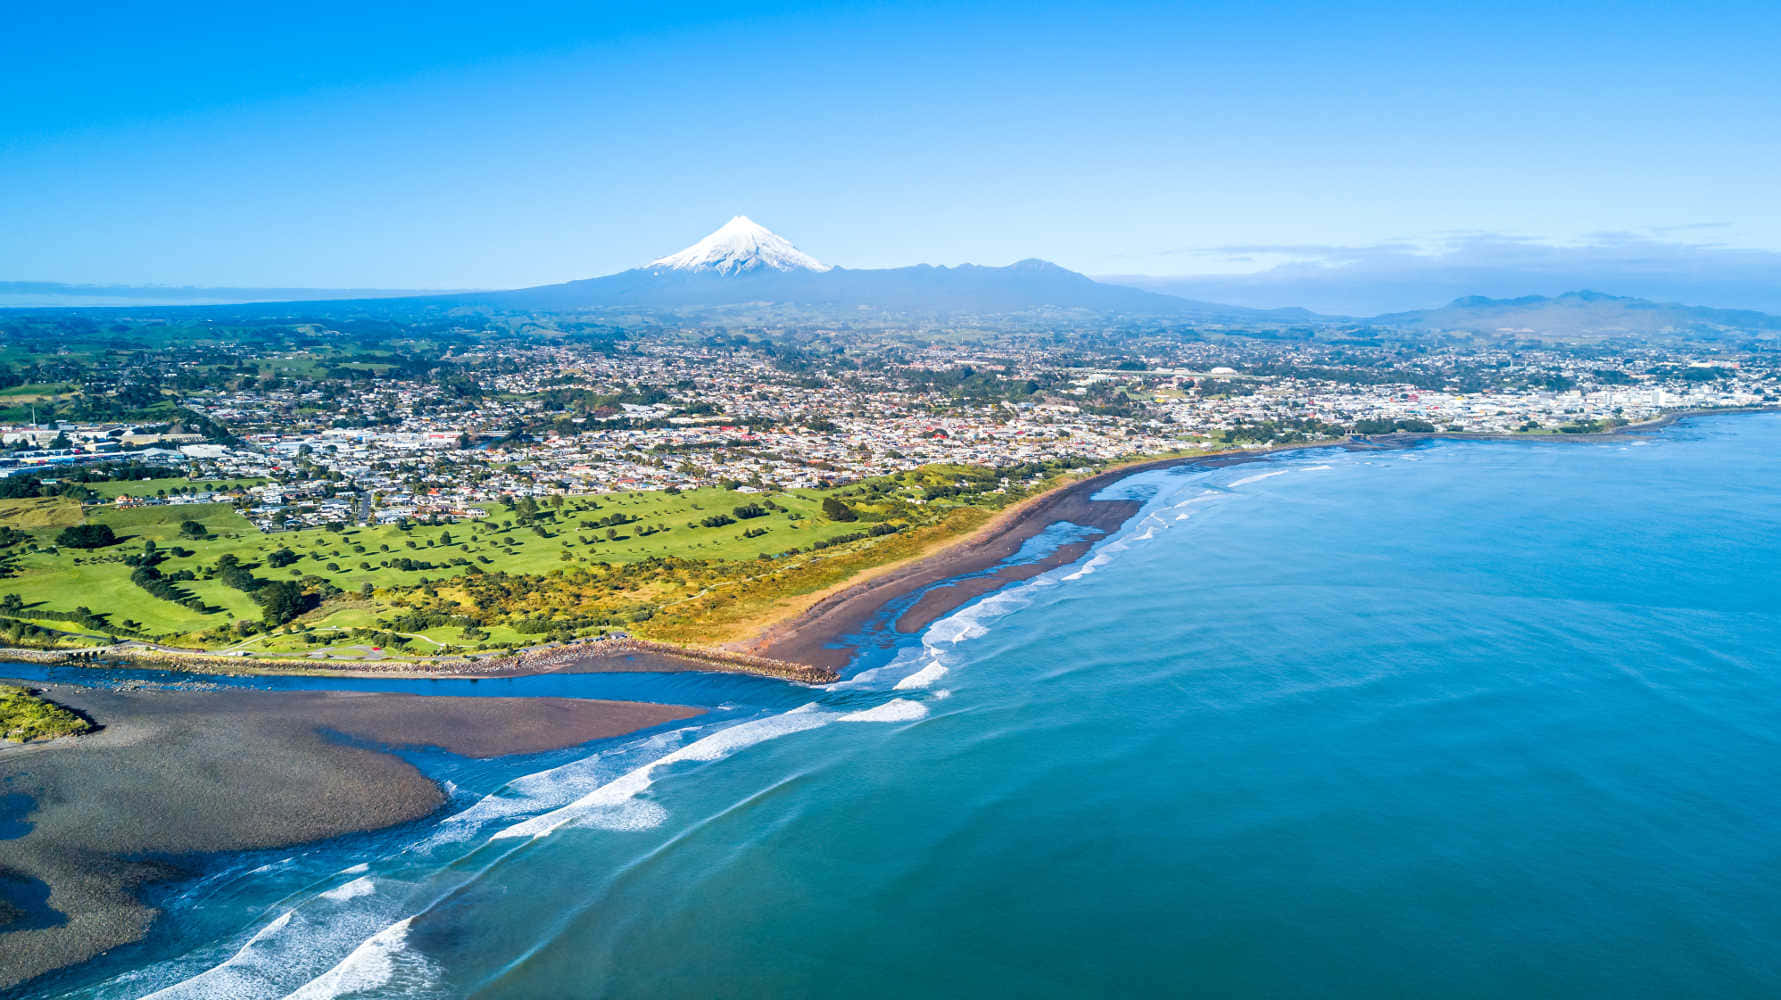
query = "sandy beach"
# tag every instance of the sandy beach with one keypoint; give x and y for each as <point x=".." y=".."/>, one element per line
<point x="174" y="773"/>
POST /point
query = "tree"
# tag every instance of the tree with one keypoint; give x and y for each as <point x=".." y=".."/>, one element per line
<point x="86" y="536"/>
<point x="835" y="510"/>
<point x="280" y="558"/>
<point x="193" y="529"/>
<point x="281" y="601"/>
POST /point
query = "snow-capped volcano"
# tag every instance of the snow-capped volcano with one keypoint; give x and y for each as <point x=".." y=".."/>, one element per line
<point x="745" y="264"/>
<point x="742" y="245"/>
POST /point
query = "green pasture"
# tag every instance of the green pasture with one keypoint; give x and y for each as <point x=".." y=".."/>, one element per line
<point x="560" y="536"/>
<point x="49" y="512"/>
<point x="36" y="392"/>
<point x="165" y="487"/>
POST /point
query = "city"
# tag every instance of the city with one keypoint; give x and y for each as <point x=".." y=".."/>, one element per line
<point x="563" y="420"/>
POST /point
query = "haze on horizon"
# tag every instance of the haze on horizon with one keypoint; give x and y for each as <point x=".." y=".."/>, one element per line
<point x="1349" y="161"/>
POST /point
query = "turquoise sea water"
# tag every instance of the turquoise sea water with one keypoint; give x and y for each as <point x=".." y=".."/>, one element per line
<point x="1474" y="719"/>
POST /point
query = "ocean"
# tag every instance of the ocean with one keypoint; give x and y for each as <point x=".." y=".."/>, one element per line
<point x="1472" y="719"/>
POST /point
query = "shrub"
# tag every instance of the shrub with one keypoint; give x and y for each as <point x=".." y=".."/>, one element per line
<point x="24" y="716"/>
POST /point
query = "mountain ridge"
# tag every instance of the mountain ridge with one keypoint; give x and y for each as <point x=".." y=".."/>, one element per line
<point x="1582" y="314"/>
<point x="745" y="264"/>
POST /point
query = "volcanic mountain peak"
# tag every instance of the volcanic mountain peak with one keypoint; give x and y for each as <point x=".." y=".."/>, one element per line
<point x="740" y="246"/>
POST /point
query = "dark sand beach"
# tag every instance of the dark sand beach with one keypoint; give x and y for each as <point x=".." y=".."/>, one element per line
<point x="174" y="773"/>
<point x="828" y="633"/>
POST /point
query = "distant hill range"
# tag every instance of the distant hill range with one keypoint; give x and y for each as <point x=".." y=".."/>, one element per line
<point x="743" y="265"/>
<point x="1582" y="316"/>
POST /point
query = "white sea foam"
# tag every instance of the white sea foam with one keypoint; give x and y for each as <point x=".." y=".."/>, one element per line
<point x="1258" y="477"/>
<point x="925" y="677"/>
<point x="907" y="661"/>
<point x="1203" y="497"/>
<point x="373" y="965"/>
<point x="868" y="678"/>
<point x="900" y="710"/>
<point x="1088" y="568"/>
<point x="612" y="797"/>
<point x="955" y="629"/>
<point x="363" y="886"/>
<point x="548" y="789"/>
<point x="234" y="976"/>
<point x="357" y="869"/>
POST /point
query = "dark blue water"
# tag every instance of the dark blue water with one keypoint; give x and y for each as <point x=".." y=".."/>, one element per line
<point x="14" y="807"/>
<point x="1476" y="719"/>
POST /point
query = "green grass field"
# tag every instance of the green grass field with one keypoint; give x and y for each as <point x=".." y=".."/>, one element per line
<point x="165" y="487"/>
<point x="51" y="512"/>
<point x="388" y="558"/>
<point x="36" y="392"/>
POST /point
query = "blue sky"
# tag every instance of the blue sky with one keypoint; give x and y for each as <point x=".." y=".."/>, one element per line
<point x="476" y="145"/>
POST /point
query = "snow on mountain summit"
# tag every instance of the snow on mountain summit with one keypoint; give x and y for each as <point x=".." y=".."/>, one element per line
<point x="740" y="246"/>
